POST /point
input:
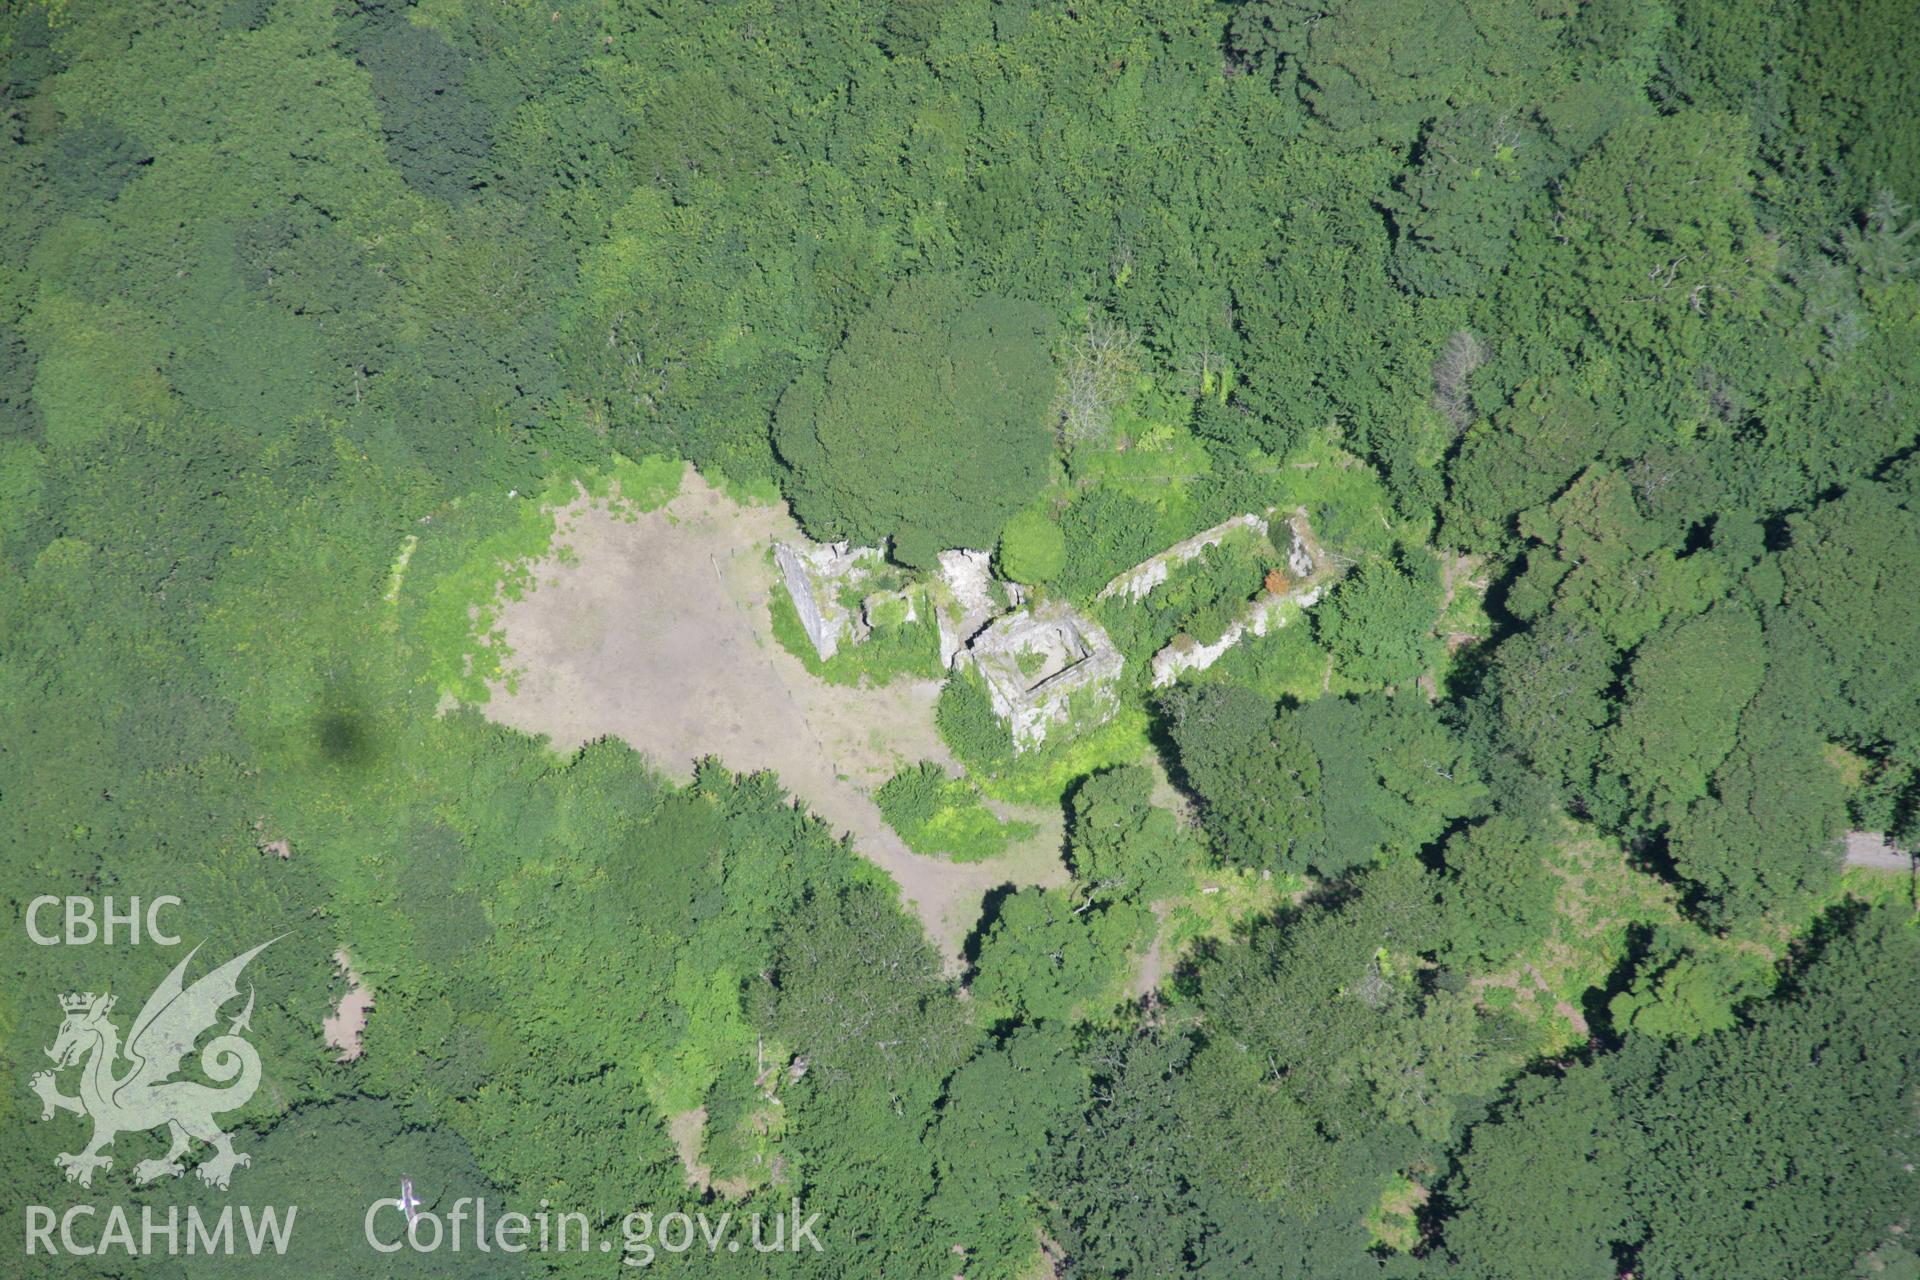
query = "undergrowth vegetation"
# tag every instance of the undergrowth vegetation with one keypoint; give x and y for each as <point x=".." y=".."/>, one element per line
<point x="935" y="813"/>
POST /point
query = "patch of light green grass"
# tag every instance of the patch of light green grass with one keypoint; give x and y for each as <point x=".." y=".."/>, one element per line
<point x="635" y="485"/>
<point x="1344" y="500"/>
<point x="1393" y="1222"/>
<point x="397" y="572"/>
<point x="757" y="492"/>
<point x="1879" y="887"/>
<point x="1042" y="776"/>
<point x="1220" y="900"/>
<point x="1466" y="614"/>
<point x="936" y="814"/>
<point x="480" y="554"/>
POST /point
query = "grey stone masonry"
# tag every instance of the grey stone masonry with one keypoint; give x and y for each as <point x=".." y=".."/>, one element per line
<point x="1136" y="582"/>
<point x="967" y="600"/>
<point x="1309" y="570"/>
<point x="1048" y="668"/>
<point x="815" y="573"/>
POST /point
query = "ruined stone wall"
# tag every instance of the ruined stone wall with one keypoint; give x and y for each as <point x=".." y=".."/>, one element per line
<point x="814" y="575"/>
<point x="1136" y="582"/>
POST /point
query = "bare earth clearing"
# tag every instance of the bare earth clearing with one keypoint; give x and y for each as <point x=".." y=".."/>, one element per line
<point x="655" y="630"/>
<point x="343" y="1027"/>
<point x="688" y="1131"/>
<point x="1871" y="849"/>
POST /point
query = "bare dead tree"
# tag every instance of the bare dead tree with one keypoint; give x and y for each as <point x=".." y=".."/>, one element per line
<point x="648" y="358"/>
<point x="1199" y="370"/>
<point x="1878" y="248"/>
<point x="1653" y="475"/>
<point x="1097" y="369"/>
<point x="1462" y="354"/>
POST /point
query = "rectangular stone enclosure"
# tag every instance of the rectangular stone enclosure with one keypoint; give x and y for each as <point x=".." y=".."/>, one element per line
<point x="1048" y="669"/>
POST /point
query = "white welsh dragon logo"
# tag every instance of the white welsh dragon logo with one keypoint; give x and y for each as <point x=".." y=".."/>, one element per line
<point x="145" y="1095"/>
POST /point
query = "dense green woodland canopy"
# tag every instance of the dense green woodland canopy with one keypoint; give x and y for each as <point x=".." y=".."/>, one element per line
<point x="1611" y="306"/>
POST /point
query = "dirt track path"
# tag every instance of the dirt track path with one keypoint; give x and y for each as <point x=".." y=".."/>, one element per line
<point x="655" y="630"/>
<point x="1153" y="964"/>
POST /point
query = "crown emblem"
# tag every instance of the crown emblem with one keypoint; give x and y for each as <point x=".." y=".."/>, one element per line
<point x="76" y="1001"/>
